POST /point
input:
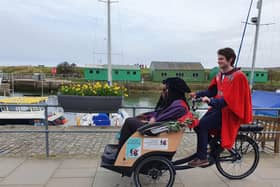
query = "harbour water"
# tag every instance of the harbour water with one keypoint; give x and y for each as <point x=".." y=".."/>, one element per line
<point x="134" y="99"/>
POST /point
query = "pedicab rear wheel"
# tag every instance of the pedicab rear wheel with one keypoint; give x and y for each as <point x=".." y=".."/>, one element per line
<point x="241" y="161"/>
<point x="154" y="171"/>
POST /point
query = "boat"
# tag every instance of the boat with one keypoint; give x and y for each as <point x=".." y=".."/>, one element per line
<point x="266" y="99"/>
<point x="33" y="115"/>
<point x="57" y="118"/>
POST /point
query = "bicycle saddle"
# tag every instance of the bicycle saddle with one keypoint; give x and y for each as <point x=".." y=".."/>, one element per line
<point x="251" y="128"/>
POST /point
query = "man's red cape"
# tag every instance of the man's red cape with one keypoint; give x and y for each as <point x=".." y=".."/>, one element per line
<point x="236" y="92"/>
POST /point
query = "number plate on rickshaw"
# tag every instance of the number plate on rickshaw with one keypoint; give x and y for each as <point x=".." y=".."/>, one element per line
<point x="155" y="143"/>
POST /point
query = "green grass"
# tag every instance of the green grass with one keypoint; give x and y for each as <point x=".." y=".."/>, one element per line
<point x="25" y="69"/>
<point x="145" y="71"/>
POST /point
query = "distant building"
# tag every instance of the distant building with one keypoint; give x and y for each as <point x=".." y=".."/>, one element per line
<point x="213" y="72"/>
<point x="189" y="71"/>
<point x="119" y="73"/>
<point x="260" y="74"/>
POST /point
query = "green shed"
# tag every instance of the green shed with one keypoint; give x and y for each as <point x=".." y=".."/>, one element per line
<point x="260" y="74"/>
<point x="213" y="72"/>
<point x="119" y="73"/>
<point x="189" y="71"/>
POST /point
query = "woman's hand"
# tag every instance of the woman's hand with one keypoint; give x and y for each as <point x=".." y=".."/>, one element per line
<point x="205" y="99"/>
<point x="144" y="121"/>
<point x="152" y="120"/>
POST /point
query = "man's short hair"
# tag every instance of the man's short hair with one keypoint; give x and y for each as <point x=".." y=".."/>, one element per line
<point x="228" y="53"/>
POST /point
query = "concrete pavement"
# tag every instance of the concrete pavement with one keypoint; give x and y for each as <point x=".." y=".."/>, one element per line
<point x="19" y="172"/>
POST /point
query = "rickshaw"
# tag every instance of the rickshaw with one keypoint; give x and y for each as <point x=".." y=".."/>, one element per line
<point x="148" y="154"/>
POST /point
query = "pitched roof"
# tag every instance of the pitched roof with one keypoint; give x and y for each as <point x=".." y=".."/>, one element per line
<point x="250" y="69"/>
<point x="114" y="66"/>
<point x="161" y="65"/>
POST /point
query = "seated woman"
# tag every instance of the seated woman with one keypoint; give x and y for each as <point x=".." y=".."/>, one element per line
<point x="175" y="106"/>
<point x="145" y="117"/>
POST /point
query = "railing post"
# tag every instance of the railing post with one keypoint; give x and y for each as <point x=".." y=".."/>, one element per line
<point x="46" y="123"/>
<point x="134" y="111"/>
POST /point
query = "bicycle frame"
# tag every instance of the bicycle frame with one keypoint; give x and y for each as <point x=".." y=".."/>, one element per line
<point x="215" y="150"/>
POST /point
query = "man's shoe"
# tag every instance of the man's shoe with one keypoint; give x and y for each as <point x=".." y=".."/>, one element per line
<point x="198" y="163"/>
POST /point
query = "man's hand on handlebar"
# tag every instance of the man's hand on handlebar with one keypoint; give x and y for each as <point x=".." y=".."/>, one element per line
<point x="205" y="99"/>
<point x="192" y="95"/>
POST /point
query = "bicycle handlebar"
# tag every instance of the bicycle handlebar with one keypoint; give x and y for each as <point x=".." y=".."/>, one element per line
<point x="194" y="101"/>
<point x="197" y="100"/>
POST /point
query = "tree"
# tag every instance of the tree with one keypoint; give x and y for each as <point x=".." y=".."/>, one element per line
<point x="66" y="68"/>
<point x="73" y="65"/>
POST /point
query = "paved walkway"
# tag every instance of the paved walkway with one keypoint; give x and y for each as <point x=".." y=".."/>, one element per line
<point x="70" y="145"/>
<point x="18" y="172"/>
<point x="67" y="145"/>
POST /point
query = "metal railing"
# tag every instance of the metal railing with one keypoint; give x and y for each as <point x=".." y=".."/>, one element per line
<point x="46" y="124"/>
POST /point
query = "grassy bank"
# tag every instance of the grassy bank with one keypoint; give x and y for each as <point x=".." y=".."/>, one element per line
<point x="25" y="69"/>
<point x="150" y="86"/>
<point x="195" y="86"/>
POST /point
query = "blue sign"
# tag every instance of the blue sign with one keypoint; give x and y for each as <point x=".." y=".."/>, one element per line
<point x="133" y="148"/>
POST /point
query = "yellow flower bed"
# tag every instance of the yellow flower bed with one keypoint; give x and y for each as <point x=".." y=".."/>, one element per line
<point x="94" y="89"/>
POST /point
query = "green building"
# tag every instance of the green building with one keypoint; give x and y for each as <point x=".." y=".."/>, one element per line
<point x="189" y="71"/>
<point x="260" y="74"/>
<point x="213" y="72"/>
<point x="119" y="73"/>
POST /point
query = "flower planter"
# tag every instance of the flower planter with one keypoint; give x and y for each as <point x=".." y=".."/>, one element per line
<point x="90" y="104"/>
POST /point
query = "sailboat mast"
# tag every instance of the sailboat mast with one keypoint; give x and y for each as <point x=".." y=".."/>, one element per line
<point x="257" y="21"/>
<point x="109" y="48"/>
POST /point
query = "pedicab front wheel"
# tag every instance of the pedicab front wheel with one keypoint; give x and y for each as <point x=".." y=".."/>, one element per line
<point x="241" y="161"/>
<point x="156" y="171"/>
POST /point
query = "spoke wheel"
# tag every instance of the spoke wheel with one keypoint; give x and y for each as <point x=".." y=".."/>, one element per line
<point x="154" y="171"/>
<point x="241" y="161"/>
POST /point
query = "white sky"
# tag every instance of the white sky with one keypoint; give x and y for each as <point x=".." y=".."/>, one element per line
<point x="48" y="32"/>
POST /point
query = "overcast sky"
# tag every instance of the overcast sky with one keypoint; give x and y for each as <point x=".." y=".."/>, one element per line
<point x="51" y="31"/>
